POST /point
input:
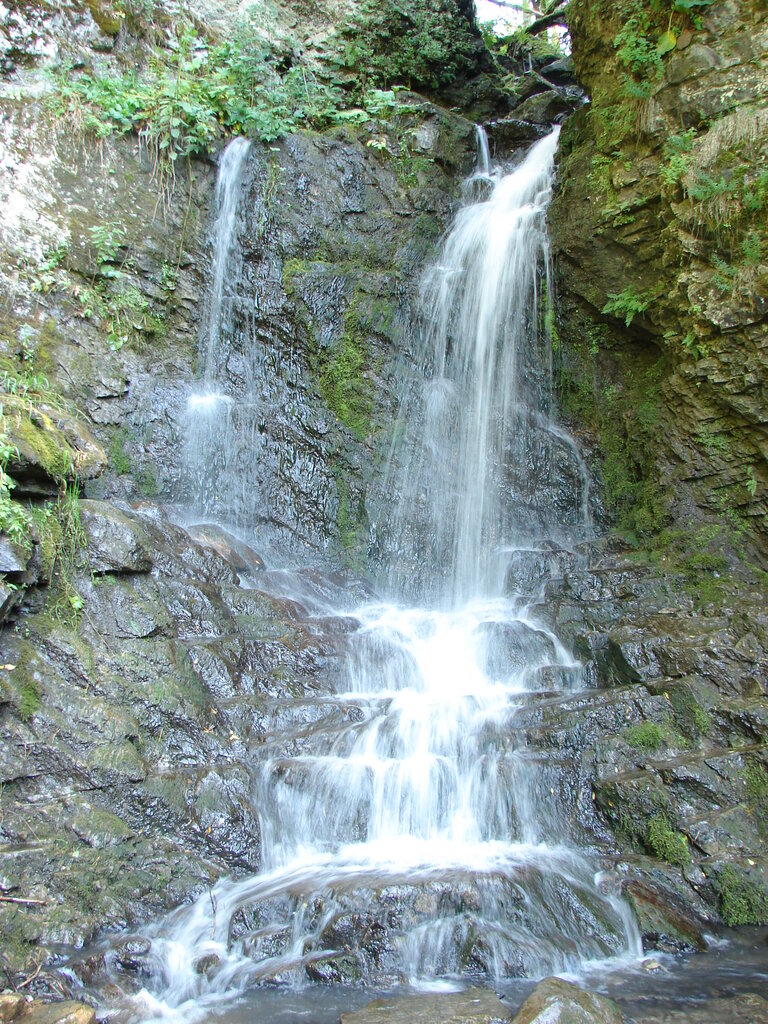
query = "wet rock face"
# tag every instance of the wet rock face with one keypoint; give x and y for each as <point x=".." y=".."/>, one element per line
<point x="670" y="738"/>
<point x="656" y="220"/>
<point x="127" y="735"/>
<point x="330" y="241"/>
<point x="332" y="234"/>
<point x="127" y="723"/>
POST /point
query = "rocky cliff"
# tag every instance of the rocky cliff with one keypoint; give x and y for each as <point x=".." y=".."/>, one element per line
<point x="659" y="230"/>
<point x="146" y="655"/>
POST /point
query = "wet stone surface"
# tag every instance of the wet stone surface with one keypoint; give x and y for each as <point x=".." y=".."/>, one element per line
<point x="474" y="1006"/>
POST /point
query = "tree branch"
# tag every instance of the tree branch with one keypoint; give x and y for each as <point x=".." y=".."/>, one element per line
<point x="554" y="17"/>
<point x="515" y="7"/>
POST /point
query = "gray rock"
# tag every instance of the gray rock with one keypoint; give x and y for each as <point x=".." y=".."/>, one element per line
<point x="13" y="557"/>
<point x="554" y="1001"/>
<point x="542" y="108"/>
<point x="117" y="543"/>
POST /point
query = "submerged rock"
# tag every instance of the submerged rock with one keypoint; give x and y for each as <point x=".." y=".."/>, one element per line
<point x="69" y="1012"/>
<point x="736" y="1009"/>
<point x="474" y="1006"/>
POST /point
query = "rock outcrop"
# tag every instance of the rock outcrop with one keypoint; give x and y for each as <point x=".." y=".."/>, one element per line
<point x="660" y="222"/>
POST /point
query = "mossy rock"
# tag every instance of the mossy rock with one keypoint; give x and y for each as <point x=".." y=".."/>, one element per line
<point x="48" y="447"/>
<point x="742" y="894"/>
<point x="106" y="17"/>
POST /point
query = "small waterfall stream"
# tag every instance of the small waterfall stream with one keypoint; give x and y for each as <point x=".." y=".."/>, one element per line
<point x="211" y="414"/>
<point x="416" y="839"/>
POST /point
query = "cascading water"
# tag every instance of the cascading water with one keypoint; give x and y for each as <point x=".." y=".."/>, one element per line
<point x="211" y="415"/>
<point x="408" y="834"/>
<point x="485" y="466"/>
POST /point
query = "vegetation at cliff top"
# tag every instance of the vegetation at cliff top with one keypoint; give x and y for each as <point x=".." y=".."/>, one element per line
<point x="425" y="44"/>
<point x="196" y="87"/>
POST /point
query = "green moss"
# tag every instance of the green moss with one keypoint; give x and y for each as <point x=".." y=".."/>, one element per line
<point x="344" y="384"/>
<point x="741" y="900"/>
<point x="625" y="422"/>
<point x="645" y="736"/>
<point x="29" y="700"/>
<point x="690" y="718"/>
<point x="147" y="481"/>
<point x="37" y="437"/>
<point x="756" y="782"/>
<point x="118" y="456"/>
<point x="665" y="843"/>
<point x="411" y="171"/>
<point x="108" y="19"/>
<point x="24" y="686"/>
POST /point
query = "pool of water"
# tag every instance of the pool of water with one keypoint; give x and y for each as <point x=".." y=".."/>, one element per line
<point x="703" y="987"/>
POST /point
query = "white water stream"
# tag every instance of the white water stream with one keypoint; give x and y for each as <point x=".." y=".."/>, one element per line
<point x="420" y="817"/>
<point x="211" y="414"/>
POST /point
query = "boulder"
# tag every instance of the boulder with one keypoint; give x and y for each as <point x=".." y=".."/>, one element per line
<point x="12" y="1006"/>
<point x="554" y="1001"/>
<point x="13" y="557"/>
<point x="240" y="555"/>
<point x="68" y="1012"/>
<point x="117" y="543"/>
<point x="48" y="446"/>
<point x="473" y="1006"/>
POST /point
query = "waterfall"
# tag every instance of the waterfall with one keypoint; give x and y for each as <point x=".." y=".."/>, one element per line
<point x="483" y="151"/>
<point x="227" y="198"/>
<point x="211" y="420"/>
<point x="410" y="833"/>
<point x="485" y="467"/>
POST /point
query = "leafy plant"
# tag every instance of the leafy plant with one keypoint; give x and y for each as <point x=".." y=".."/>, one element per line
<point x="14" y="518"/>
<point x="628" y="303"/>
<point x="425" y="45"/>
<point x="677" y="150"/>
<point x="70" y="539"/>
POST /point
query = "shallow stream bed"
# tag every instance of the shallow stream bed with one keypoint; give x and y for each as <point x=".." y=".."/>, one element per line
<point x="706" y="988"/>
